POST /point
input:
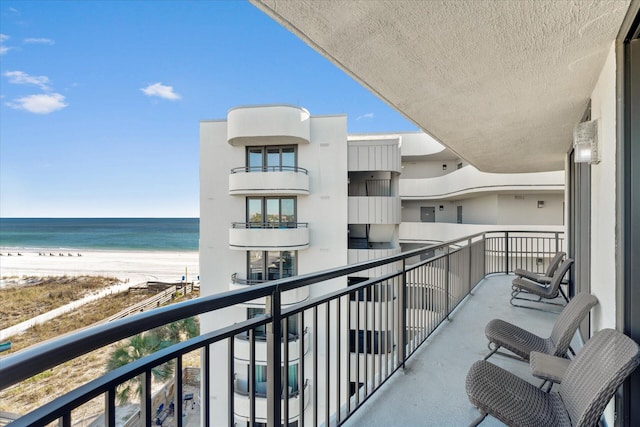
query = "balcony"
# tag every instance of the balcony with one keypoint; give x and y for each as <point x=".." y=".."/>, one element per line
<point x="470" y="180"/>
<point x="411" y="305"/>
<point x="296" y="403"/>
<point x="268" y="125"/>
<point x="265" y="181"/>
<point x="272" y="236"/>
<point x="298" y="345"/>
<point x="431" y="390"/>
<point x="290" y="297"/>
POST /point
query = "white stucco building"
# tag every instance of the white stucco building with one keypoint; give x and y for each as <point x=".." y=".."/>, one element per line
<point x="284" y="193"/>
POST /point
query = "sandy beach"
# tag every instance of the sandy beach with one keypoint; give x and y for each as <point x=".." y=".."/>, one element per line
<point x="132" y="266"/>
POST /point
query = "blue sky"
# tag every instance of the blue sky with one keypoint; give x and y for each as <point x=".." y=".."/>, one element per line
<point x="101" y="100"/>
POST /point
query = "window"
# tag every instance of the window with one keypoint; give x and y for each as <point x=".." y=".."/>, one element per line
<point x="271" y="265"/>
<point x="261" y="379"/>
<point x="271" y="211"/>
<point x="271" y="159"/>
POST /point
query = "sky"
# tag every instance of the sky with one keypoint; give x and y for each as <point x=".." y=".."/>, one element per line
<point x="100" y="101"/>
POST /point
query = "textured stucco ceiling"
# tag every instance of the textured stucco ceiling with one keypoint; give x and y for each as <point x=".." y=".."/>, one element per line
<point x="502" y="83"/>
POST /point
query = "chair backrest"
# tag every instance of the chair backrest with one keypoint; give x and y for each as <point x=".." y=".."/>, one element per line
<point x="594" y="375"/>
<point x="554" y="286"/>
<point x="569" y="320"/>
<point x="554" y="263"/>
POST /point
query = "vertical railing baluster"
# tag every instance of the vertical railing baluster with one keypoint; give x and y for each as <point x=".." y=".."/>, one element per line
<point x="506" y="252"/>
<point x="65" y="421"/>
<point x="231" y="380"/>
<point x="274" y="360"/>
<point x="339" y="358"/>
<point x="301" y="372"/>
<point x="357" y="349"/>
<point x="379" y="352"/>
<point x="110" y="408"/>
<point x="446" y="282"/>
<point x="469" y="270"/>
<point x="251" y="380"/>
<point x="145" y="399"/>
<point x="327" y="367"/>
<point x="285" y="381"/>
<point x="206" y="378"/>
<point x="348" y="351"/>
<point x="315" y="365"/>
<point x="180" y="396"/>
<point x="403" y="315"/>
<point x="365" y="343"/>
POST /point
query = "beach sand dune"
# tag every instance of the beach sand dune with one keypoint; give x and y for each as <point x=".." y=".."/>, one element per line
<point x="133" y="267"/>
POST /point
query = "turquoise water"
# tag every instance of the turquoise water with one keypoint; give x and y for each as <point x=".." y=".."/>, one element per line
<point x="171" y="234"/>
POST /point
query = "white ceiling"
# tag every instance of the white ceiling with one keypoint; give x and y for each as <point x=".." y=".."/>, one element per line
<point x="502" y="83"/>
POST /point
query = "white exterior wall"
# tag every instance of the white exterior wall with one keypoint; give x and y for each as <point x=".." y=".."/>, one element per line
<point x="525" y="210"/>
<point x="325" y="209"/>
<point x="507" y="209"/>
<point x="603" y="198"/>
<point x="427" y="169"/>
<point x="217" y="211"/>
<point x="324" y="155"/>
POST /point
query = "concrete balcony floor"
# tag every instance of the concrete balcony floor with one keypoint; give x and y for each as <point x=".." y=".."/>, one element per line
<point x="431" y="390"/>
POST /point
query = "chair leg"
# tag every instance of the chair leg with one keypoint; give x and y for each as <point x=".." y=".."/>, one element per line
<point x="492" y="351"/>
<point x="539" y="300"/>
<point x="502" y="353"/>
<point x="563" y="294"/>
<point x="478" y="420"/>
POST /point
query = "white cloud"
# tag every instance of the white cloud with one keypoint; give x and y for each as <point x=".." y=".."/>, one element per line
<point x="22" y="78"/>
<point x="3" y="49"/>
<point x="160" y="90"/>
<point x="13" y="9"/>
<point x="38" y="40"/>
<point x="367" y="116"/>
<point x="39" y="104"/>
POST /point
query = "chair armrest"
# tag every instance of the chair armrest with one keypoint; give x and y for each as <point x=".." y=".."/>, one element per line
<point x="547" y="367"/>
<point x="536" y="277"/>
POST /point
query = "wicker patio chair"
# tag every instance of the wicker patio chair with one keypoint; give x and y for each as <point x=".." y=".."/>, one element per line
<point x="587" y="386"/>
<point x="527" y="287"/>
<point x="522" y="342"/>
<point x="543" y="279"/>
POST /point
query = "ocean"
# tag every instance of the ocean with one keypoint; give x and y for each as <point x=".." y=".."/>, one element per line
<point x="158" y="234"/>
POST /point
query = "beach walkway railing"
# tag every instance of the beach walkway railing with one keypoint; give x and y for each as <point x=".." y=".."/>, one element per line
<point x="372" y="327"/>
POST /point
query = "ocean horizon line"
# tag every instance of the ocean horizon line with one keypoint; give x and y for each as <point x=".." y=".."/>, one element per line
<point x="73" y="234"/>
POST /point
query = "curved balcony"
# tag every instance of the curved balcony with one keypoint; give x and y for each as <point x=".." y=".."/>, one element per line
<point x="374" y="210"/>
<point x="273" y="236"/>
<point x="270" y="125"/>
<point x="279" y="180"/>
<point x="242" y="347"/>
<point x="438" y="232"/>
<point x="242" y="402"/>
<point x="470" y="180"/>
<point x="293" y="296"/>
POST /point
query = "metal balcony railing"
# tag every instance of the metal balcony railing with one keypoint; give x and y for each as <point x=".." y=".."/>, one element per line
<point x="269" y="169"/>
<point x="408" y="305"/>
<point x="273" y="224"/>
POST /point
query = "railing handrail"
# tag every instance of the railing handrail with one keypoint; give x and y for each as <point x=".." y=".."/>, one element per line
<point x="248" y="169"/>
<point x="31" y="361"/>
<point x="268" y="225"/>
